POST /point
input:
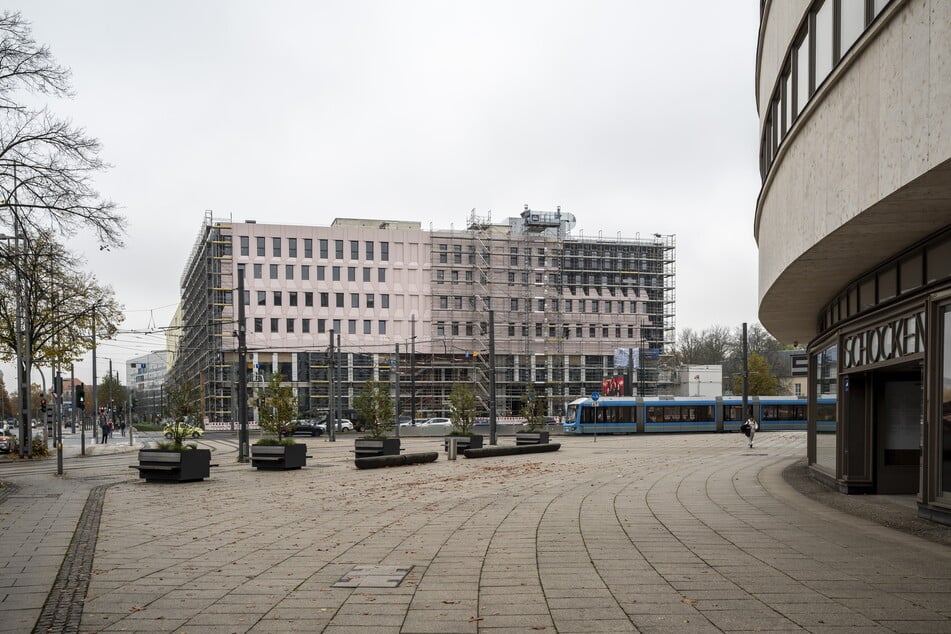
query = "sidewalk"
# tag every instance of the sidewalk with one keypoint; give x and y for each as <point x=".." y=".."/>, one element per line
<point x="692" y="533"/>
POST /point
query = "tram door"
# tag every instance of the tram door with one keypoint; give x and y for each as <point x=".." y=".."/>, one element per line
<point x="897" y="431"/>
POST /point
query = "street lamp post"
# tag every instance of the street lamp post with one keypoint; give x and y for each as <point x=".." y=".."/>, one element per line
<point x="22" y="348"/>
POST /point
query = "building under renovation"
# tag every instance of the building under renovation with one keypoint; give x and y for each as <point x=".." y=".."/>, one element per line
<point x="526" y="301"/>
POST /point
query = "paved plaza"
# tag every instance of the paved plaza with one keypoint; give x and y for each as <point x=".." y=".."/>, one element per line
<point x="672" y="533"/>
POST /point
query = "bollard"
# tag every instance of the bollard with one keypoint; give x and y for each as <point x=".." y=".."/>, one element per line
<point x="452" y="447"/>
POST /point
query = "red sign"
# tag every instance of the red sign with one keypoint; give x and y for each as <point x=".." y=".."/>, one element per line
<point x="613" y="386"/>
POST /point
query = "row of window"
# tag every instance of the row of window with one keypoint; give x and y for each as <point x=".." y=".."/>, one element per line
<point x="594" y="260"/>
<point x="293" y="298"/>
<point x="829" y="30"/>
<point x="571" y="280"/>
<point x="323" y="245"/>
<point x="457" y="302"/>
<point x="290" y="325"/>
<point x="550" y="331"/>
<point x="320" y="272"/>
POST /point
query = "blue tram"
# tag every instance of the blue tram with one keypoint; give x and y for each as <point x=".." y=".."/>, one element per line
<point x="628" y="414"/>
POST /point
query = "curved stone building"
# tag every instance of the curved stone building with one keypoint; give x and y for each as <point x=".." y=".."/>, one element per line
<point x="853" y="224"/>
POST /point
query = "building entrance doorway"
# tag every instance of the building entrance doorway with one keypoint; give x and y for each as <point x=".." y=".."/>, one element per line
<point x="897" y="425"/>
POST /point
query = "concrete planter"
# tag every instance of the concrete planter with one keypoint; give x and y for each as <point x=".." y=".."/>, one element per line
<point x="369" y="447"/>
<point x="279" y="457"/>
<point x="472" y="441"/>
<point x="531" y="438"/>
<point x="161" y="465"/>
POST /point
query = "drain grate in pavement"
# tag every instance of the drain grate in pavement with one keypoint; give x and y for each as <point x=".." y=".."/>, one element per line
<point x="365" y="576"/>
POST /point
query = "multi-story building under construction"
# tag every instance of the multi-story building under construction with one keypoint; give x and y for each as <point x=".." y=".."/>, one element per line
<point x="416" y="309"/>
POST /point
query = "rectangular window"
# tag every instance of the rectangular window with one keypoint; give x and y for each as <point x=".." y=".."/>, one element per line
<point x="351" y="274"/>
<point x="308" y="299"/>
<point x="338" y="249"/>
<point x="354" y="249"/>
<point x="339" y="299"/>
<point x="335" y="273"/>
<point x="276" y="247"/>
<point x="290" y="325"/>
<point x="272" y="271"/>
<point x="385" y="300"/>
<point x="325" y="300"/>
<point x="262" y="298"/>
<point x="457" y="254"/>
<point x="369" y="300"/>
<point x="944" y="433"/>
<point x="385" y="251"/>
<point x="366" y="326"/>
<point x="277" y="298"/>
<point x="368" y="249"/>
<point x="321" y="326"/>
<point x="258" y="324"/>
<point x="822" y="41"/>
<point x="802" y="73"/>
<point x="366" y="273"/>
<point x="443" y="253"/>
<point x="292" y="247"/>
<point x="324" y="250"/>
<point x="258" y="271"/>
<point x="351" y="326"/>
<point x="308" y="248"/>
<point x="852" y="23"/>
<point x="245" y="245"/>
<point x="354" y="300"/>
<point x="275" y="324"/>
<point x="513" y="256"/>
<point x="511" y="330"/>
<point x="247" y="298"/>
<point x="292" y="298"/>
<point x="289" y="271"/>
<point x="259" y="243"/>
<point x="513" y="303"/>
<point x="381" y="327"/>
<point x="305" y="325"/>
<point x="304" y="272"/>
<point x="336" y="326"/>
<point x="381" y="275"/>
<point x="321" y="272"/>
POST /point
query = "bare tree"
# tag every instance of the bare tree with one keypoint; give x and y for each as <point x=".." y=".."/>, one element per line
<point x="46" y="165"/>
<point x="60" y="299"/>
<point x="709" y="347"/>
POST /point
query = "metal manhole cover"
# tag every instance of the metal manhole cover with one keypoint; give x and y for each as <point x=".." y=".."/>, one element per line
<point x="373" y="577"/>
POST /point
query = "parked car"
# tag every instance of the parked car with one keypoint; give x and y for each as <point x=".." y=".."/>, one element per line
<point x="436" y="422"/>
<point x="187" y="430"/>
<point x="6" y="441"/>
<point x="305" y="428"/>
<point x="343" y="425"/>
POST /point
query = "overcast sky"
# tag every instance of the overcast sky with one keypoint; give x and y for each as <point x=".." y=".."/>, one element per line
<point x="636" y="116"/>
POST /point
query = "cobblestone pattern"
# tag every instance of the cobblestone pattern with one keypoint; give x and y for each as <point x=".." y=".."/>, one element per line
<point x="63" y="610"/>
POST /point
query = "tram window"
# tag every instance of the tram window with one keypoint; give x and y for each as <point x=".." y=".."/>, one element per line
<point x="655" y="414"/>
<point x="733" y="412"/>
<point x="825" y="411"/>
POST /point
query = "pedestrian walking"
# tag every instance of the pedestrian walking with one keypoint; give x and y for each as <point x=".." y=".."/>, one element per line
<point x="749" y="429"/>
<point x="122" y="428"/>
<point x="104" y="437"/>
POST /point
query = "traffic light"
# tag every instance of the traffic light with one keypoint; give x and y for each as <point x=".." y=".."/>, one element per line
<point x="42" y="404"/>
<point x="79" y="396"/>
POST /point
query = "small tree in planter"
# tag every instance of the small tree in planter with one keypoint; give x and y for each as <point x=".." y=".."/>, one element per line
<point x="462" y="411"/>
<point x="184" y="399"/>
<point x="374" y="407"/>
<point x="173" y="460"/>
<point x="278" y="408"/>
<point x="534" y="413"/>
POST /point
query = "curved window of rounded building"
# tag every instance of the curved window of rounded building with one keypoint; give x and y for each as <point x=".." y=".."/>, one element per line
<point x="944" y="440"/>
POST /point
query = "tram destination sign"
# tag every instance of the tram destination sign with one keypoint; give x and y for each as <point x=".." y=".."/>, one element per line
<point x="895" y="339"/>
